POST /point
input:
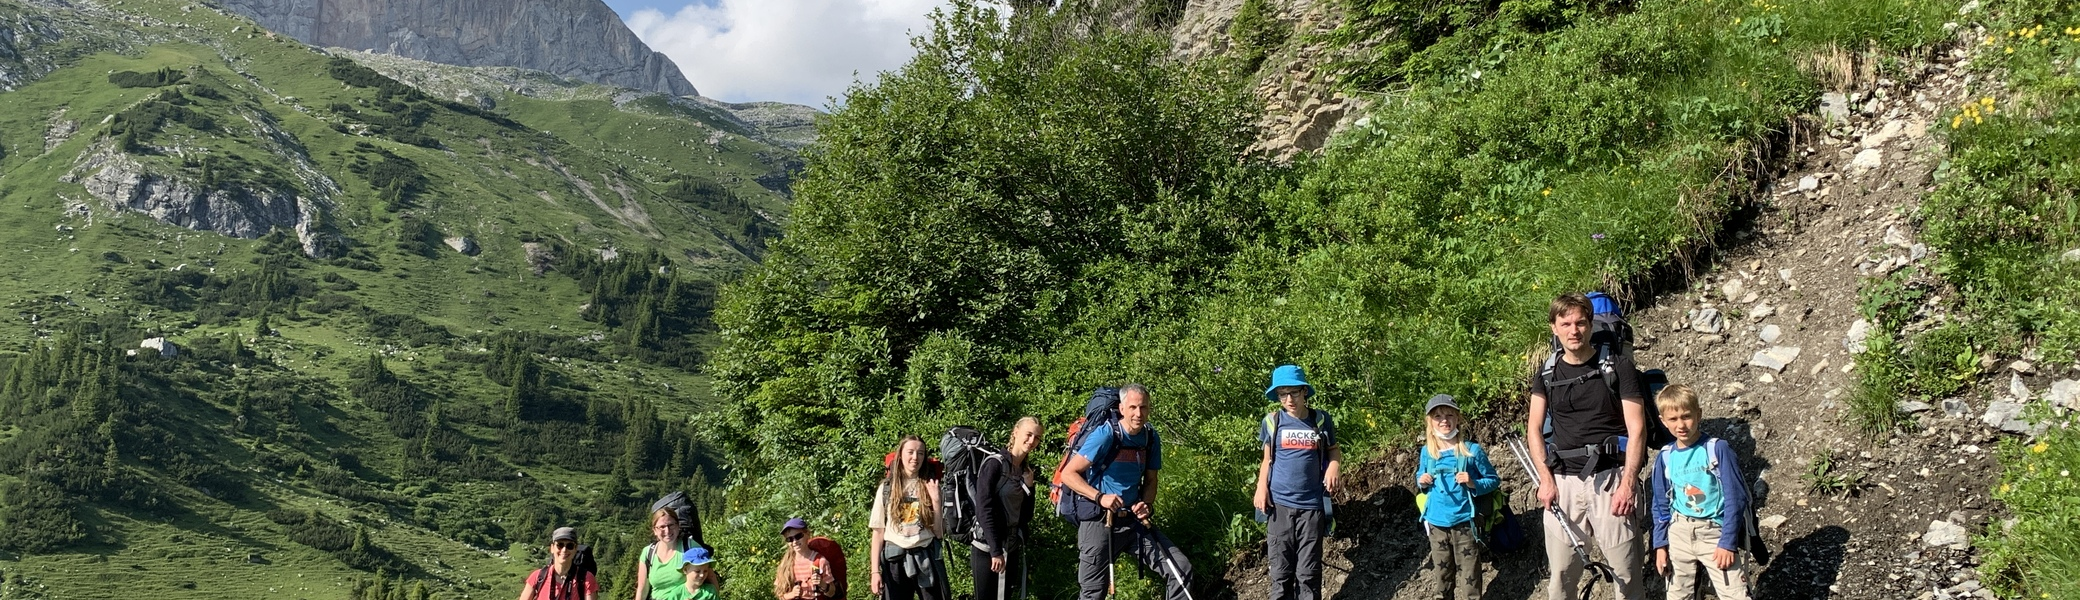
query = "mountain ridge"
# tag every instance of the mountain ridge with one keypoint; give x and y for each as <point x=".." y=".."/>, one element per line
<point x="583" y="39"/>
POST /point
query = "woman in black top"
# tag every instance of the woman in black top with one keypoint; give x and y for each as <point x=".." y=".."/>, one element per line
<point x="1004" y="488"/>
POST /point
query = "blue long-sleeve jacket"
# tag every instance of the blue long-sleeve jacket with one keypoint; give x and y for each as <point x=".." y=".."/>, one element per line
<point x="1733" y="492"/>
<point x="1449" y="503"/>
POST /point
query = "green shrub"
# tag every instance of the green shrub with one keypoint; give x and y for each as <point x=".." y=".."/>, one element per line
<point x="1256" y="32"/>
<point x="2035" y="556"/>
<point x="132" y="79"/>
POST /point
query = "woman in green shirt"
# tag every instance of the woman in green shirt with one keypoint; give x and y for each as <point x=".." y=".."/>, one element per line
<point x="657" y="575"/>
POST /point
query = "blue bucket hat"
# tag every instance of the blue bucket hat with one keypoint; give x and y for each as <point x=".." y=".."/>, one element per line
<point x="698" y="556"/>
<point x="1286" y="375"/>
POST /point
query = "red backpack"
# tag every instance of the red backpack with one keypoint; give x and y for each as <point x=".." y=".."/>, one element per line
<point x="835" y="554"/>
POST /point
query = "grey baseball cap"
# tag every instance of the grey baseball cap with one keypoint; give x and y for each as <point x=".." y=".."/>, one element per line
<point x="564" y="533"/>
<point x="1439" y="400"/>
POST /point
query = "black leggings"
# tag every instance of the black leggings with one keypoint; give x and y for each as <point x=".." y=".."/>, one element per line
<point x="986" y="580"/>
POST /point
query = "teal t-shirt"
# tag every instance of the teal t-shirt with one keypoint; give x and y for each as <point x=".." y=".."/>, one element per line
<point x="1694" y="484"/>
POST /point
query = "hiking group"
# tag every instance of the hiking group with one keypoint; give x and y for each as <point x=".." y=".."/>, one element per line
<point x="1588" y="401"/>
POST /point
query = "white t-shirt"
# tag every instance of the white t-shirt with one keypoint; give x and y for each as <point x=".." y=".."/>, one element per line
<point x="907" y="528"/>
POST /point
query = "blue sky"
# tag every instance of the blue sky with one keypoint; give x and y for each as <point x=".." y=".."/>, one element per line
<point x="799" y="51"/>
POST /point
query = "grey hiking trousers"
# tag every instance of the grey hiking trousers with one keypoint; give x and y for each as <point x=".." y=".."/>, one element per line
<point x="1294" y="540"/>
<point x="1146" y="545"/>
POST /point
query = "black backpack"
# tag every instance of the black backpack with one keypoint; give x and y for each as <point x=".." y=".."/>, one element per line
<point x="962" y="450"/>
<point x="1612" y="337"/>
<point x="689" y="519"/>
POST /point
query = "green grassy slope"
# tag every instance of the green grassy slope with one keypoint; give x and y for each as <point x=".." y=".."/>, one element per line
<point x="216" y="458"/>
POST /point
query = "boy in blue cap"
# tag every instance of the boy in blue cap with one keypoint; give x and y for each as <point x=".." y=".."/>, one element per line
<point x="1299" y="471"/>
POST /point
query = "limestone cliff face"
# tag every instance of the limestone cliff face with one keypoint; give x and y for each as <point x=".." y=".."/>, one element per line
<point x="125" y="184"/>
<point x="581" y="39"/>
<point x="1303" y="103"/>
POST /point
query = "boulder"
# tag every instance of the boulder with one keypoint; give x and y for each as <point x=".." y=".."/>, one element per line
<point x="1707" y="320"/>
<point x="1870" y="158"/>
<point x="1858" y="332"/>
<point x="1731" y="289"/>
<point x="1947" y="534"/>
<point x="463" y="244"/>
<point x="2064" y="394"/>
<point x="1771" y="333"/>
<point x="1775" y="358"/>
<point x="165" y="348"/>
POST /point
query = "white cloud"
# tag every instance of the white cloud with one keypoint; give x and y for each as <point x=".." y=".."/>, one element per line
<point x="800" y="51"/>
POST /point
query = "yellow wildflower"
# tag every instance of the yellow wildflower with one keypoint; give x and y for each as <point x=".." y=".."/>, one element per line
<point x="2040" y="447"/>
<point x="1547" y="192"/>
<point x="2005" y="488"/>
<point x="1986" y="101"/>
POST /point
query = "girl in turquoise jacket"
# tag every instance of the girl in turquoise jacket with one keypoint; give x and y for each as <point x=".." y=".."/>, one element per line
<point x="1452" y="471"/>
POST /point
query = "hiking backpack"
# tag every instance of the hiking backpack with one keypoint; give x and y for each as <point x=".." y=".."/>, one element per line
<point x="1494" y="524"/>
<point x="689" y="518"/>
<point x="1612" y="337"/>
<point x="962" y="450"/>
<point x="1102" y="409"/>
<point x="1751" y="536"/>
<point x="835" y="555"/>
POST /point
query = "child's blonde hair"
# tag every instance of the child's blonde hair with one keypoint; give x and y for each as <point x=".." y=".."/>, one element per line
<point x="1678" y="396"/>
<point x="1458" y="445"/>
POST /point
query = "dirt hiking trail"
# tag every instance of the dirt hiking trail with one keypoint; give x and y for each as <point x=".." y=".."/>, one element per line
<point x="1765" y="328"/>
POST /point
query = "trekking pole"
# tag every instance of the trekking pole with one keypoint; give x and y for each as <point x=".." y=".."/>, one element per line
<point x="1176" y="574"/>
<point x="1111" y="560"/>
<point x="1597" y="570"/>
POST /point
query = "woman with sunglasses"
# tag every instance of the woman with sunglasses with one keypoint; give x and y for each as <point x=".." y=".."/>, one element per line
<point x="905" y="548"/>
<point x="559" y="580"/>
<point x="1003" y="512"/>
<point x="803" y="574"/>
<point x="657" y="574"/>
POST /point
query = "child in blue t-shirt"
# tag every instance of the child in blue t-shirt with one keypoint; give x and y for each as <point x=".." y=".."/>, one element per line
<point x="1452" y="471"/>
<point x="1698" y="500"/>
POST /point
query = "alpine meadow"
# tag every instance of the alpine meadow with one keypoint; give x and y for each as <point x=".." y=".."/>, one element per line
<point x="292" y="321"/>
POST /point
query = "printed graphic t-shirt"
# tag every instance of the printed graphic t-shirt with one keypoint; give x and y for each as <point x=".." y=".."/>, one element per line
<point x="906" y="527"/>
<point x="1300" y="451"/>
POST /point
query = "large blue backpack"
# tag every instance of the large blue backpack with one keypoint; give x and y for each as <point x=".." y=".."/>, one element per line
<point x="1102" y="409"/>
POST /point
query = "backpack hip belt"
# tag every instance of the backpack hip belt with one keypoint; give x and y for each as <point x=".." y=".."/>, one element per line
<point x="1610" y="445"/>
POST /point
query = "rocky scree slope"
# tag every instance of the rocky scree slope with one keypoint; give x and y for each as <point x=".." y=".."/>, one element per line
<point x="581" y="39"/>
<point x="1767" y="328"/>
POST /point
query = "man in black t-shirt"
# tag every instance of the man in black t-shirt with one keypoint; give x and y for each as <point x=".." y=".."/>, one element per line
<point x="1588" y="473"/>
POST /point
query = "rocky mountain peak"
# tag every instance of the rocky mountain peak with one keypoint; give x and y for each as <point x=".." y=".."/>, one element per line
<point x="580" y="39"/>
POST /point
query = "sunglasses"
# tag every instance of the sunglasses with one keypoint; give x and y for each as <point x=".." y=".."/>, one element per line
<point x="794" y="538"/>
<point x="564" y="545"/>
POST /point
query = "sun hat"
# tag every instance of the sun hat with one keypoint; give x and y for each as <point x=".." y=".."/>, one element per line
<point x="1287" y="375"/>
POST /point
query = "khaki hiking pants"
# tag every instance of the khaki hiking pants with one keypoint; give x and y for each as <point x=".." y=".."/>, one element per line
<point x="1586" y="500"/>
<point x="1690" y="545"/>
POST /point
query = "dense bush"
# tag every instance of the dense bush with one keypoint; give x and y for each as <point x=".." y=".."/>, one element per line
<point x="38" y="517"/>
